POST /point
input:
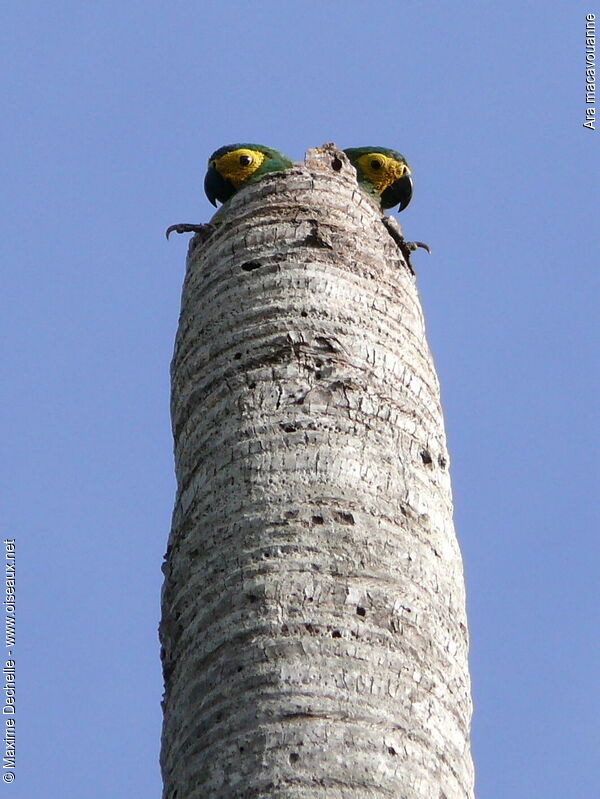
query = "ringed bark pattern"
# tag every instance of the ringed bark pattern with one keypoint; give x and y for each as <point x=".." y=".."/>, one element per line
<point x="313" y="631"/>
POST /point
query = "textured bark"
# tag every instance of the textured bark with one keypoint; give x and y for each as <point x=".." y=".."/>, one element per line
<point x="314" y="633"/>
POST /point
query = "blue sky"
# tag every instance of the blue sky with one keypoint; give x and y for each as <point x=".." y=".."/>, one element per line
<point x="110" y="111"/>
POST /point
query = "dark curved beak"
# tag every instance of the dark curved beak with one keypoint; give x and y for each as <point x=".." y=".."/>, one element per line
<point x="399" y="193"/>
<point x="216" y="187"/>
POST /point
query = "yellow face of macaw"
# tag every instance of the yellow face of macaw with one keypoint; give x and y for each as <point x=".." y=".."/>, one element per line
<point x="381" y="170"/>
<point x="238" y="165"/>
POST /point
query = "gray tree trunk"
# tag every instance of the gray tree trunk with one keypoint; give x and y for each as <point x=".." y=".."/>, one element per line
<point x="314" y="632"/>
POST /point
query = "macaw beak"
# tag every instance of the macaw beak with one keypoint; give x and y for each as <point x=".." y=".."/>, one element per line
<point x="400" y="192"/>
<point x="216" y="187"/>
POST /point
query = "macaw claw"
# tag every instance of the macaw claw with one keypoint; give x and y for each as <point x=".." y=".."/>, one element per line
<point x="414" y="245"/>
<point x="406" y="247"/>
<point x="184" y="227"/>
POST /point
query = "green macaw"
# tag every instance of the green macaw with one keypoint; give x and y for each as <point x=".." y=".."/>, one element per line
<point x="382" y="173"/>
<point x="237" y="165"/>
<point x="385" y="175"/>
<point x="230" y="168"/>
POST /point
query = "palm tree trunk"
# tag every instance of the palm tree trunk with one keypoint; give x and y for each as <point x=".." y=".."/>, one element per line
<point x="314" y="632"/>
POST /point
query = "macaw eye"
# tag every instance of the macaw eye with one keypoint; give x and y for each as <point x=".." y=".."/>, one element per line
<point x="376" y="164"/>
<point x="245" y="160"/>
<point x="213" y="164"/>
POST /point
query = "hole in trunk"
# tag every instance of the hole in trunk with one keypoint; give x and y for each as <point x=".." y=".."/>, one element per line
<point x="248" y="266"/>
<point x="343" y="518"/>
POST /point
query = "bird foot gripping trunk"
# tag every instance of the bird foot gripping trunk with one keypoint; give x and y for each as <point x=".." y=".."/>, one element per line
<point x="313" y="631"/>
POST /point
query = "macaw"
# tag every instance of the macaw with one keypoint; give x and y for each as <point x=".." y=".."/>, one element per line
<point x="385" y="175"/>
<point x="382" y="173"/>
<point x="230" y="168"/>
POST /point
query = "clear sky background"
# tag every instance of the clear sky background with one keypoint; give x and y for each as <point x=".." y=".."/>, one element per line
<point x="110" y="110"/>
